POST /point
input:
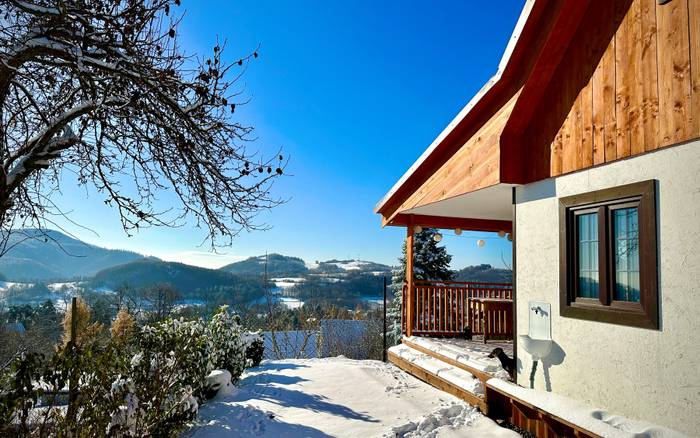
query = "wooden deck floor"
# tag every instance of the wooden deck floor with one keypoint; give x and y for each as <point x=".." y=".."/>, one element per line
<point x="476" y="346"/>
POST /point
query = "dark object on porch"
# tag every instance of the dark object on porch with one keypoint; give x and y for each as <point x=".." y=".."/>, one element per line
<point x="468" y="333"/>
<point x="507" y="363"/>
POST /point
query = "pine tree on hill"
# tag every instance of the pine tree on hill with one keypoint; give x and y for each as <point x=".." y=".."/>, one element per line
<point x="430" y="262"/>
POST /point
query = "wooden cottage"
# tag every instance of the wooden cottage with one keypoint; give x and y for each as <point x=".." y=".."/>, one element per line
<point x="585" y="148"/>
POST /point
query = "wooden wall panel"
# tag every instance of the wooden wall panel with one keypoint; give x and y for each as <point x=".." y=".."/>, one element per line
<point x="603" y="82"/>
<point x="567" y="149"/>
<point x="640" y="88"/>
<point x="694" y="36"/>
<point x="673" y="59"/>
<point x="557" y="145"/>
<point x="625" y="58"/>
<point x="647" y="76"/>
<point x="587" y="126"/>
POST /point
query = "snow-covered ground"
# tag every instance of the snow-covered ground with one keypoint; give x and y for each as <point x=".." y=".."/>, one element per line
<point x="338" y="397"/>
<point x="59" y="293"/>
<point x="291" y="303"/>
<point x="287" y="282"/>
<point x="8" y="284"/>
<point x="311" y="265"/>
<point x="350" y="265"/>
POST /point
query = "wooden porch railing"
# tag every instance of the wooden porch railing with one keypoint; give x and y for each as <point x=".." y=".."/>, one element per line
<point x="447" y="308"/>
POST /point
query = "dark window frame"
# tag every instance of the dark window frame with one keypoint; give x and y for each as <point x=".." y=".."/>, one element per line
<point x="644" y="313"/>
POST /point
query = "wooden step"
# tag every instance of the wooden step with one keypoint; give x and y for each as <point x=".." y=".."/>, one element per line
<point x="480" y="374"/>
<point x="439" y="374"/>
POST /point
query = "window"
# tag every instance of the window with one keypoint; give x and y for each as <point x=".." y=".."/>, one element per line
<point x="608" y="266"/>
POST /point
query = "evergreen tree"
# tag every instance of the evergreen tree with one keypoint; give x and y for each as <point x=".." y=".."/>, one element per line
<point x="430" y="262"/>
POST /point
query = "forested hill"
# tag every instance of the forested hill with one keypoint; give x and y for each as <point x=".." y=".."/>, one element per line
<point x="486" y="273"/>
<point x="276" y="265"/>
<point x="187" y="279"/>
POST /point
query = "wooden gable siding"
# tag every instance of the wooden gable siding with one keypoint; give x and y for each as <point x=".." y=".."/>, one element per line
<point x="474" y="166"/>
<point x="629" y="83"/>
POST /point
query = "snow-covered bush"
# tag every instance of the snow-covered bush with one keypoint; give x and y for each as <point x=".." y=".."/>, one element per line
<point x="97" y="367"/>
<point x="149" y="384"/>
<point x="227" y="347"/>
<point x="254" y="348"/>
<point x="169" y="373"/>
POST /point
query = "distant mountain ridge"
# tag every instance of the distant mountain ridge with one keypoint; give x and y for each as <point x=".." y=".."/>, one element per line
<point x="59" y="257"/>
<point x="62" y="258"/>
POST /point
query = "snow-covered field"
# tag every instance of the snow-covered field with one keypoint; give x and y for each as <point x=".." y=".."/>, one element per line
<point x="350" y="265"/>
<point x="59" y="293"/>
<point x="8" y="284"/>
<point x="287" y="282"/>
<point x="338" y="397"/>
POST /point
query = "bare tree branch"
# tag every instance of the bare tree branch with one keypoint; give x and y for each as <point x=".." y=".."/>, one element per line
<point x="101" y="89"/>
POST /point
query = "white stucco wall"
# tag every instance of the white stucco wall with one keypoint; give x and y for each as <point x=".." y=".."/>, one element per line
<point x="652" y="375"/>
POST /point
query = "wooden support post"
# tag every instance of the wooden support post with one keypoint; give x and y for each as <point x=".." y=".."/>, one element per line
<point x="410" y="293"/>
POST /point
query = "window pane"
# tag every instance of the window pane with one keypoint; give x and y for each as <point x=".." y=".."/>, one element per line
<point x="626" y="245"/>
<point x="587" y="232"/>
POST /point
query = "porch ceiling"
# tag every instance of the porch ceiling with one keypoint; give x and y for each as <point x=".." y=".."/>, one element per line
<point x="492" y="203"/>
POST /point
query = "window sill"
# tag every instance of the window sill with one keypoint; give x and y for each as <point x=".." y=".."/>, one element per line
<point x="628" y="314"/>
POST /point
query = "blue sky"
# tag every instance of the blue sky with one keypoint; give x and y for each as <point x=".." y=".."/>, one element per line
<point x="353" y="92"/>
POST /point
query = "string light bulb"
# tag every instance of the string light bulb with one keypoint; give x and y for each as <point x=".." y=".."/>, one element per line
<point x="481" y="243"/>
<point x="501" y="233"/>
<point x="417" y="229"/>
<point x="437" y="237"/>
<point x="458" y="231"/>
<point x="510" y="237"/>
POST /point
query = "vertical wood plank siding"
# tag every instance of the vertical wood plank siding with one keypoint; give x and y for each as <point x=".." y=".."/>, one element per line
<point x="629" y="83"/>
<point x="694" y="36"/>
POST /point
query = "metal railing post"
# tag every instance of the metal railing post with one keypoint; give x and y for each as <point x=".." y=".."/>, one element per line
<point x="384" y="332"/>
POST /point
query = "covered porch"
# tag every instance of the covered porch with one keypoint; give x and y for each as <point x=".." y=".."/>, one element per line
<point x="473" y="310"/>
